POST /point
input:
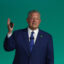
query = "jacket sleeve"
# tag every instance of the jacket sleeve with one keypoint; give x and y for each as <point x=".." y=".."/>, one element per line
<point x="9" y="43"/>
<point x="50" y="56"/>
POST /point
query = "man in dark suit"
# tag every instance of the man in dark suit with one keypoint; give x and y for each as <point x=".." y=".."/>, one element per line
<point x="33" y="46"/>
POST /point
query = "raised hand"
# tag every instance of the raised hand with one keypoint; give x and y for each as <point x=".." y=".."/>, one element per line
<point x="10" y="26"/>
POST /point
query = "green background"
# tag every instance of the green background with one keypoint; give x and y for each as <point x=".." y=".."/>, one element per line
<point x="52" y="21"/>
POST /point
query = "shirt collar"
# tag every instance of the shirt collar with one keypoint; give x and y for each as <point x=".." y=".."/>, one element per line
<point x="35" y="31"/>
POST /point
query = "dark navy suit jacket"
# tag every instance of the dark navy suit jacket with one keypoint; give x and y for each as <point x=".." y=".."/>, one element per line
<point x="42" y="52"/>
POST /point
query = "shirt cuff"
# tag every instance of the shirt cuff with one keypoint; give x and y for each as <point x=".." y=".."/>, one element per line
<point x="9" y="35"/>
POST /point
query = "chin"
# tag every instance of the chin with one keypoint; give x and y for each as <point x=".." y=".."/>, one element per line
<point x="34" y="27"/>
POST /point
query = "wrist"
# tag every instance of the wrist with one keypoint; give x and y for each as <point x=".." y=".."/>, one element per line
<point x="9" y="32"/>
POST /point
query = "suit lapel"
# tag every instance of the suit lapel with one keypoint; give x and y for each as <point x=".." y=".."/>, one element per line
<point x="26" y="41"/>
<point x="38" y="40"/>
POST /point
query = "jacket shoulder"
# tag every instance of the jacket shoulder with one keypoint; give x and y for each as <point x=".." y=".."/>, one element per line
<point x="46" y="34"/>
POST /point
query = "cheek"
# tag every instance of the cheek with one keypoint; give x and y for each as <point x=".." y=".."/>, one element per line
<point x="38" y="22"/>
<point x="30" y="22"/>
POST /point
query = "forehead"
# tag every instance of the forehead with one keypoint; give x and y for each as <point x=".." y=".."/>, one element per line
<point x="34" y="14"/>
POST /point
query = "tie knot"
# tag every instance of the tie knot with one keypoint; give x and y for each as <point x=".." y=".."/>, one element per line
<point x="32" y="32"/>
<point x="32" y="37"/>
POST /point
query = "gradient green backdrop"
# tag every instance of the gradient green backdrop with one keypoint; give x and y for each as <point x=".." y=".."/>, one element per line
<point x="52" y="21"/>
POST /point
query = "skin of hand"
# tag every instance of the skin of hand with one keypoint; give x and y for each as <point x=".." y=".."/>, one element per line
<point x="9" y="27"/>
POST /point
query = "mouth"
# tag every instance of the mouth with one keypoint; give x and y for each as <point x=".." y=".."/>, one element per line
<point x="33" y="23"/>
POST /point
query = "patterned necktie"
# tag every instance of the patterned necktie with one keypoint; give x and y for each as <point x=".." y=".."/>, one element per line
<point x="31" y="41"/>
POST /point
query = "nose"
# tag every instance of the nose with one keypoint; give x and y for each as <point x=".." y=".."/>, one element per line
<point x="34" y="19"/>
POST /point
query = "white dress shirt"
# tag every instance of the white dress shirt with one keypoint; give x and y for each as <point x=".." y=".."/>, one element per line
<point x="29" y="34"/>
<point x="35" y="34"/>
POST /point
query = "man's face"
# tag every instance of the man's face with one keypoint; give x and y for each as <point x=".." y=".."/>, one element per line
<point x="34" y="20"/>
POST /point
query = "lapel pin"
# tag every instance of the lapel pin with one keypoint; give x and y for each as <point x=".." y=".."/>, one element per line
<point x="41" y="36"/>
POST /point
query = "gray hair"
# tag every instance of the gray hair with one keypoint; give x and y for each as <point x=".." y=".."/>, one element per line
<point x="33" y="11"/>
